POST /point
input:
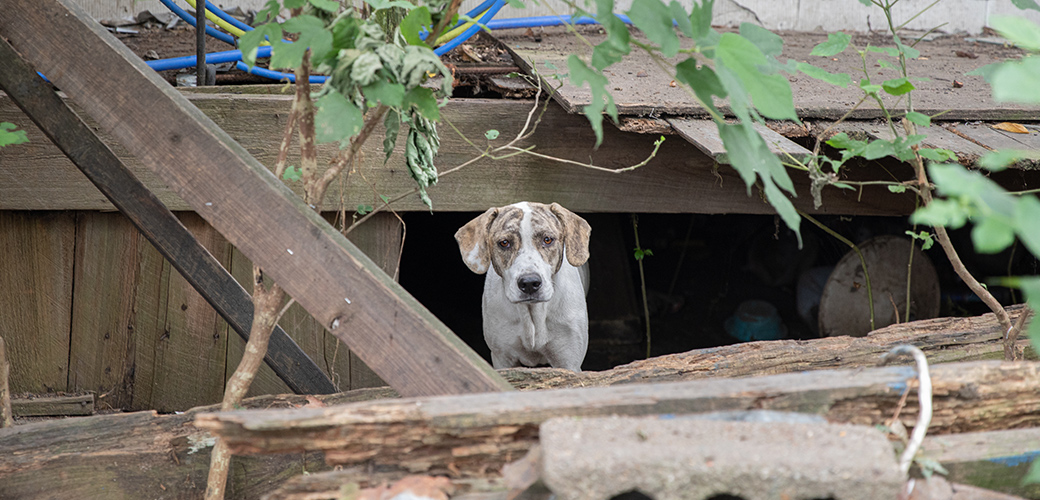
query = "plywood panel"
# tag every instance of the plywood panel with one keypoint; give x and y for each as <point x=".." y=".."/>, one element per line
<point x="36" y="277"/>
<point x="180" y="340"/>
<point x="102" y="343"/>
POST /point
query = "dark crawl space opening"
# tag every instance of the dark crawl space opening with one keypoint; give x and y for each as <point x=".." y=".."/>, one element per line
<point x="703" y="268"/>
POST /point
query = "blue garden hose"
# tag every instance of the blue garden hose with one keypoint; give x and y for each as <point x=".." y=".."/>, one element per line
<point x="227" y="17"/>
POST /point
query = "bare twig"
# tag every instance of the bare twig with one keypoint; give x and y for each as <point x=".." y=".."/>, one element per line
<point x="642" y="282"/>
<point x="1010" y="353"/>
<point x="6" y="417"/>
<point x="862" y="261"/>
<point x="346" y="156"/>
<point x="283" y="148"/>
<point x="924" y="397"/>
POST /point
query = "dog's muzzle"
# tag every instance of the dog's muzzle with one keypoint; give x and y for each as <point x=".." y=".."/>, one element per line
<point x="529" y="285"/>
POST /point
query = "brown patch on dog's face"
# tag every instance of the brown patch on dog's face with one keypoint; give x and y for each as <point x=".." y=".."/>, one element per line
<point x="547" y="235"/>
<point x="504" y="238"/>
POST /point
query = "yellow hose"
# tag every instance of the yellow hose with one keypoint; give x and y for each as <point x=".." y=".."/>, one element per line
<point x="445" y="38"/>
<point x="218" y="21"/>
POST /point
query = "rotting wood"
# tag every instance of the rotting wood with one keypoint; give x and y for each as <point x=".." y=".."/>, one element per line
<point x="472" y="434"/>
<point x="405" y="344"/>
<point x="6" y="413"/>
<point x="93" y="325"/>
<point x="135" y="455"/>
<point x="67" y="406"/>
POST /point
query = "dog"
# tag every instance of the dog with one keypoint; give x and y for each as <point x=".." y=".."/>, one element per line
<point x="535" y="258"/>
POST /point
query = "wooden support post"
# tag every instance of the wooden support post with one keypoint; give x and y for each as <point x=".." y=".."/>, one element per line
<point x="341" y="287"/>
<point x="152" y="218"/>
<point x="6" y="415"/>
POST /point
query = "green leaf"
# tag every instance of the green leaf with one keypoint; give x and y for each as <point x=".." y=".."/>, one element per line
<point x="770" y="92"/>
<point x="423" y="101"/>
<point x="250" y="41"/>
<point x="491" y="134"/>
<point x="1000" y="159"/>
<point x="326" y="5"/>
<point x="926" y="238"/>
<point x="751" y="158"/>
<point x="878" y="148"/>
<point x="384" y="92"/>
<point x="682" y="18"/>
<point x="869" y="88"/>
<point x="287" y="55"/>
<point x="843" y="141"/>
<point x="768" y="42"/>
<point x="835" y="44"/>
<point x="10" y="136"/>
<point x="919" y="118"/>
<point x="885" y="64"/>
<point x="413" y="23"/>
<point x="941" y="212"/>
<point x="908" y="51"/>
<point x="897" y="86"/>
<point x="937" y="154"/>
<point x="388" y="4"/>
<point x="840" y="79"/>
<point x="704" y="82"/>
<point x="700" y="19"/>
<point x="992" y="234"/>
<point x="602" y="101"/>
<point x="1026" y="4"/>
<point x="654" y="18"/>
<point x="1016" y="81"/>
<point x="292" y="174"/>
<point x="889" y="51"/>
<point x="364" y="209"/>
<point x="868" y="3"/>
<point x="1019" y="30"/>
<point x="337" y="118"/>
<point x="1027" y="217"/>
<point x="616" y="45"/>
<point x="897" y="188"/>
<point x="294" y="4"/>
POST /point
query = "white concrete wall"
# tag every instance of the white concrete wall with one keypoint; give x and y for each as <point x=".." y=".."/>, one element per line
<point x="804" y="15"/>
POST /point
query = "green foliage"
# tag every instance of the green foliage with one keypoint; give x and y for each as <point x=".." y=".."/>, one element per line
<point x="292" y="174"/>
<point x="835" y="44"/>
<point x="602" y="101"/>
<point x="9" y="135"/>
<point x="364" y="209"/>
<point x="897" y="86"/>
<point x="639" y="253"/>
<point x="491" y="134"/>
<point x="366" y="68"/>
<point x="926" y="238"/>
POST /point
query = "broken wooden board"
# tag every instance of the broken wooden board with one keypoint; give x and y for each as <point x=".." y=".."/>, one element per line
<point x="54" y="406"/>
<point x="472" y="434"/>
<point x="340" y="286"/>
<point x="640" y="88"/>
<point x="679" y="179"/>
<point x="705" y="135"/>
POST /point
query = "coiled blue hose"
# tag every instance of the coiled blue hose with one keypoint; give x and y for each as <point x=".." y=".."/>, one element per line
<point x="227" y="17"/>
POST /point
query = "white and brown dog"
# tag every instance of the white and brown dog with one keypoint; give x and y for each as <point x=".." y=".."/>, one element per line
<point x="534" y="297"/>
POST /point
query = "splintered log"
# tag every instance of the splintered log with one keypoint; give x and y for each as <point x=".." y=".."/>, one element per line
<point x="134" y="455"/>
<point x="470" y="435"/>
<point x="943" y="340"/>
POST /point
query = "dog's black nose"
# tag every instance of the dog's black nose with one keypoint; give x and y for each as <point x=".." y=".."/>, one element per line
<point x="529" y="283"/>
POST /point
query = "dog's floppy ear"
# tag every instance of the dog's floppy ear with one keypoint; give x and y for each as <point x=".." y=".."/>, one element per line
<point x="472" y="240"/>
<point x="575" y="234"/>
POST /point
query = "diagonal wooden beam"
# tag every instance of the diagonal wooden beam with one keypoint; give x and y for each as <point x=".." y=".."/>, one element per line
<point x="67" y="131"/>
<point x="341" y="287"/>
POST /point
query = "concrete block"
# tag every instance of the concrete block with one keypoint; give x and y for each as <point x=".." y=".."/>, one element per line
<point x="687" y="458"/>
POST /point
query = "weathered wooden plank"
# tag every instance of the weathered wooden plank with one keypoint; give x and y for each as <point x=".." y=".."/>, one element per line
<point x="415" y="352"/>
<point x="36" y="279"/>
<point x="996" y="460"/>
<point x="471" y="434"/>
<point x="678" y="180"/>
<point x="101" y="355"/>
<point x="967" y="152"/>
<point x="67" y="406"/>
<point x="984" y="133"/>
<point x="156" y="222"/>
<point x="180" y="340"/>
<point x="640" y="88"/>
<point x="705" y="135"/>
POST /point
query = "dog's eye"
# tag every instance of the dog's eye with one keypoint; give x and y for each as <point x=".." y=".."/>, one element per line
<point x="548" y="240"/>
<point x="504" y="243"/>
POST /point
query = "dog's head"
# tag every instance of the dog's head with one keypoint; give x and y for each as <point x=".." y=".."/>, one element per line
<point x="525" y="243"/>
